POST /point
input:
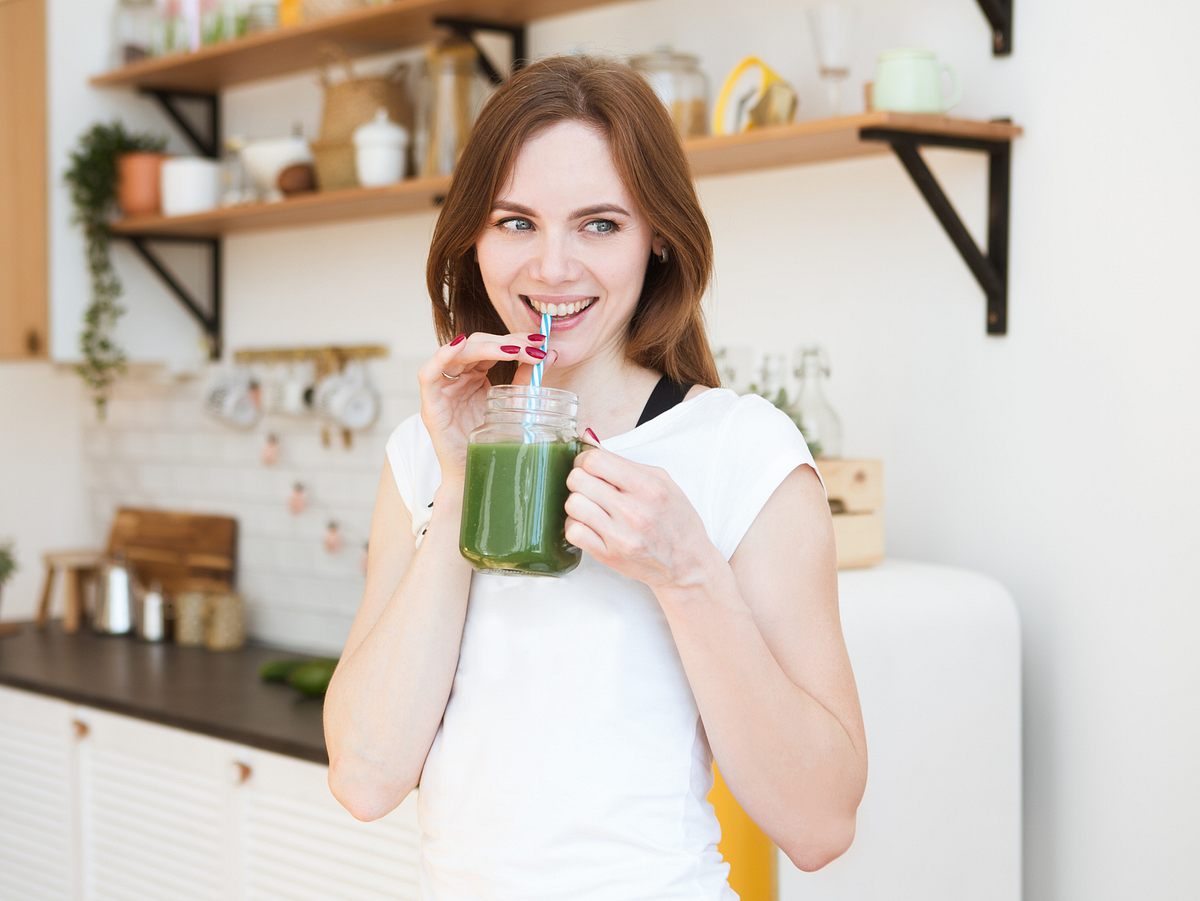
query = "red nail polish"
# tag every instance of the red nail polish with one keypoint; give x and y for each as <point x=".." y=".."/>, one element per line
<point x="459" y="340"/>
<point x="536" y="338"/>
<point x="535" y="352"/>
<point x="510" y="348"/>
<point x="591" y="435"/>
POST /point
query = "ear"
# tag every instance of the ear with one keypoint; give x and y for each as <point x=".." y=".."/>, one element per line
<point x="657" y="244"/>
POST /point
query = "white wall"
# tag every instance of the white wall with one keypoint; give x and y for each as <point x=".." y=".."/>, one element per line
<point x="1056" y="459"/>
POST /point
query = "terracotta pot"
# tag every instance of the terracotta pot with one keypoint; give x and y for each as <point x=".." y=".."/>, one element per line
<point x="137" y="182"/>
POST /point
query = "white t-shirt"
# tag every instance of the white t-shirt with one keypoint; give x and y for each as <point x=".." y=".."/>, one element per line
<point x="571" y="762"/>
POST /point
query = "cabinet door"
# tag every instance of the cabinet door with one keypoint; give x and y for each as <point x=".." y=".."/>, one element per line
<point x="298" y="843"/>
<point x="24" y="317"/>
<point x="156" y="806"/>
<point x="37" y="820"/>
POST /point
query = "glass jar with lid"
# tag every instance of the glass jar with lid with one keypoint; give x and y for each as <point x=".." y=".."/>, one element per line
<point x="681" y="85"/>
<point x="812" y="412"/>
<point x="134" y="22"/>
<point x="514" y="497"/>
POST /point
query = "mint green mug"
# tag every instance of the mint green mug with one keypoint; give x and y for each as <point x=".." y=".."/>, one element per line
<point x="910" y="81"/>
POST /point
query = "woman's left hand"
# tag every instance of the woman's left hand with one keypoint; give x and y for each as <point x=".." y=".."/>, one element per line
<point x="634" y="519"/>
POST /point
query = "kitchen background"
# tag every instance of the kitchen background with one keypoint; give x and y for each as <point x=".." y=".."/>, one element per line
<point x="1056" y="459"/>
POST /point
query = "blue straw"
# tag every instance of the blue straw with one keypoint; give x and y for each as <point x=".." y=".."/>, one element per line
<point x="537" y="367"/>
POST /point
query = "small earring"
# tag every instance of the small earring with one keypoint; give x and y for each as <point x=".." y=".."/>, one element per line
<point x="662" y="257"/>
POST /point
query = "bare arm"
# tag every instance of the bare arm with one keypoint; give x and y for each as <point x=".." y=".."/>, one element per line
<point x="387" y="696"/>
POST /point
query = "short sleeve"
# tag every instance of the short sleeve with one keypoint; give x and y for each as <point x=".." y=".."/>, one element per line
<point x="758" y="446"/>
<point x="408" y="451"/>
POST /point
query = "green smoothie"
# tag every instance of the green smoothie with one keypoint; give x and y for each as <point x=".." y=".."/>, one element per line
<point x="513" y="507"/>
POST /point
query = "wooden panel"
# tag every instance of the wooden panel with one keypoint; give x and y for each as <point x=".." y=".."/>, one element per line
<point x="789" y="145"/>
<point x="859" y="538"/>
<point x="156" y="806"/>
<point x="36" y="798"/>
<point x="853" y="486"/>
<point x="288" y="812"/>
<point x="24" y="308"/>
<point x="376" y="29"/>
<point x="179" y="550"/>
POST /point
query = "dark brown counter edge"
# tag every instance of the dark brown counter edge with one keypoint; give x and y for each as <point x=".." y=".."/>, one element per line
<point x="297" y="749"/>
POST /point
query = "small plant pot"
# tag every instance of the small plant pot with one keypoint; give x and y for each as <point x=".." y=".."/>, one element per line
<point x="138" y="177"/>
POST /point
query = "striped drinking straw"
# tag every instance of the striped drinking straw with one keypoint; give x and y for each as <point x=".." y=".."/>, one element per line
<point x="537" y="367"/>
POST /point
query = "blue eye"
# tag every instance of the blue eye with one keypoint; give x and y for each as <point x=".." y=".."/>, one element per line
<point x="500" y="224"/>
<point x="609" y="222"/>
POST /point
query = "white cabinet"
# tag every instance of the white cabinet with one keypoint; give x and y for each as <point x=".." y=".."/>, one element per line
<point x="96" y="805"/>
<point x="37" y="837"/>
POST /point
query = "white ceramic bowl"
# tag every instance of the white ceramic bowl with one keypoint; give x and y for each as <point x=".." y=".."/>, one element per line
<point x="266" y="159"/>
<point x="189" y="184"/>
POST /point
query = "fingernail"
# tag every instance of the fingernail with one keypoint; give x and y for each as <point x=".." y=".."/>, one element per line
<point x="458" y="340"/>
<point x="535" y="352"/>
<point x="536" y="337"/>
<point x="591" y="435"/>
<point x="510" y="348"/>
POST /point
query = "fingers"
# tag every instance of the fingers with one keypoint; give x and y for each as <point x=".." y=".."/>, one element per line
<point x="480" y="351"/>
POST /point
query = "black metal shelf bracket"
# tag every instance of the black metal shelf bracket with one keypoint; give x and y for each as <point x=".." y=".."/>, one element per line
<point x="991" y="268"/>
<point x="999" y="14"/>
<point x="210" y="321"/>
<point x="208" y="145"/>
<point x="467" y="28"/>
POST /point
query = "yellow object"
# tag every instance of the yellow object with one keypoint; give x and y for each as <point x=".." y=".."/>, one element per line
<point x="290" y="13"/>
<point x="774" y="101"/>
<point x="751" y="855"/>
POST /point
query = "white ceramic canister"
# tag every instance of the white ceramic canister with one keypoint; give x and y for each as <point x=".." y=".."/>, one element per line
<point x="189" y="184"/>
<point x="379" y="151"/>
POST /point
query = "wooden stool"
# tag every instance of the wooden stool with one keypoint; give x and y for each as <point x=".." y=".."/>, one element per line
<point x="82" y="567"/>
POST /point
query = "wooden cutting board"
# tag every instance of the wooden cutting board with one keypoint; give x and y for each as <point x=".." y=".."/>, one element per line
<point x="182" y="551"/>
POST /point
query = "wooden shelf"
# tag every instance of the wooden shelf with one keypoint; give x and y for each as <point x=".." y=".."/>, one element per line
<point x="790" y="145"/>
<point x="374" y="29"/>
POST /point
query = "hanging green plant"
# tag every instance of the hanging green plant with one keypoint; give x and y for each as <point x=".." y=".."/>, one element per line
<point x="92" y="178"/>
<point x="8" y="563"/>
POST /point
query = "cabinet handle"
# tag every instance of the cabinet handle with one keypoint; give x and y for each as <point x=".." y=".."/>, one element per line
<point x="33" y="342"/>
<point x="241" y="772"/>
<point x="81" y="728"/>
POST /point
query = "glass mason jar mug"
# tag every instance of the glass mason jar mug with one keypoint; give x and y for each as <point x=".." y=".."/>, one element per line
<point x="518" y="460"/>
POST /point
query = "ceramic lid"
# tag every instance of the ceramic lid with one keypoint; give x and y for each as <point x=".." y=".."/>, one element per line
<point x="380" y="132"/>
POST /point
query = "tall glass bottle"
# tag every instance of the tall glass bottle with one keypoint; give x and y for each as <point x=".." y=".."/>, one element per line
<point x="816" y="419"/>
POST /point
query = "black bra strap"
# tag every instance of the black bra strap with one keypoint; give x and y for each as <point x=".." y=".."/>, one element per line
<point x="665" y="395"/>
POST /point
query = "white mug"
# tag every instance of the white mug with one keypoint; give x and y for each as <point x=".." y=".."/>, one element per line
<point x="910" y="81"/>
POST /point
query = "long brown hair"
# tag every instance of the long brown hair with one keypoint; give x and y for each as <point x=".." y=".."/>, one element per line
<point x="666" y="332"/>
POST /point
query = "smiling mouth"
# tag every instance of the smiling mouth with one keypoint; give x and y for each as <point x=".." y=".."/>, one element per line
<point x="553" y="309"/>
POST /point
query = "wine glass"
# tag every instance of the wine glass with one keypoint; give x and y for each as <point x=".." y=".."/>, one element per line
<point x="831" y="24"/>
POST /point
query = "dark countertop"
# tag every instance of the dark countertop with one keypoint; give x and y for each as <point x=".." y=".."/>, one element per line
<point x="215" y="693"/>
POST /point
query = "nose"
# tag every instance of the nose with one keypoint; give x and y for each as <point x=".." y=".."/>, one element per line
<point x="553" y="261"/>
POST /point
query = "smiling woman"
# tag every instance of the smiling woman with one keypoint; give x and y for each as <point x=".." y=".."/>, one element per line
<point x="562" y="731"/>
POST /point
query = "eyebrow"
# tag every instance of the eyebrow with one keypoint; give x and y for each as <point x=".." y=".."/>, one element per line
<point x="586" y="211"/>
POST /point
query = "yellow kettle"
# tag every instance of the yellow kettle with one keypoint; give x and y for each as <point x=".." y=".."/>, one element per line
<point x="764" y="99"/>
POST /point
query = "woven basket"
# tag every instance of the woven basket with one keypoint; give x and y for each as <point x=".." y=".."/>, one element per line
<point x="335" y="164"/>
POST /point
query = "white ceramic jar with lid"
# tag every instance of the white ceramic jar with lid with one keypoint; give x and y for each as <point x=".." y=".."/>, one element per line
<point x="380" y="147"/>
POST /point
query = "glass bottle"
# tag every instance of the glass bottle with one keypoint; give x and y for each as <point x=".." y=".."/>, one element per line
<point x="811" y="411"/>
<point x="518" y="460"/>
<point x="133" y="31"/>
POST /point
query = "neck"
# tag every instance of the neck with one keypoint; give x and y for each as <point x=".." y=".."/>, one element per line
<point x="612" y="390"/>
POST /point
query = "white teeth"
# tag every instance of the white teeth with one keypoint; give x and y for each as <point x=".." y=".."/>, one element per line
<point x="561" y="309"/>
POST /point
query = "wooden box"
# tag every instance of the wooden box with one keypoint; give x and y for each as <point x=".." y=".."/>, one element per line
<point x="855" y="489"/>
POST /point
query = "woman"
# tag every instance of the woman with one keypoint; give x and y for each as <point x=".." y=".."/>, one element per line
<point x="562" y="730"/>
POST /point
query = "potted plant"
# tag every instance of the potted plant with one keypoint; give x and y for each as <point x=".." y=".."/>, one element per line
<point x="92" y="178"/>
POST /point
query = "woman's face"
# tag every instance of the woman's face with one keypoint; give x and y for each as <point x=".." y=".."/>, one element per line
<point x="565" y="231"/>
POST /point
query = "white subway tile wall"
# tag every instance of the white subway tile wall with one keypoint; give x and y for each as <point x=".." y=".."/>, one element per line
<point x="159" y="448"/>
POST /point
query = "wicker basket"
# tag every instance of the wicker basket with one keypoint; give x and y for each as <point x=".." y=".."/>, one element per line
<point x="335" y="164"/>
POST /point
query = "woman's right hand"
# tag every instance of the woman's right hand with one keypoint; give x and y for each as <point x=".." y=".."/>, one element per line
<point x="452" y="408"/>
